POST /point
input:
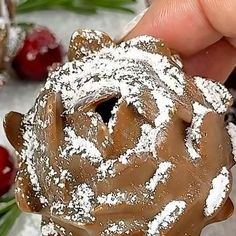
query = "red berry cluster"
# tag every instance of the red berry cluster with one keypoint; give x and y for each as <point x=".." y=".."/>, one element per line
<point x="7" y="171"/>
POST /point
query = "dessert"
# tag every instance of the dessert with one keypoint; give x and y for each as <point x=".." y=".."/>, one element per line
<point x="6" y="14"/>
<point x="121" y="141"/>
<point x="10" y="34"/>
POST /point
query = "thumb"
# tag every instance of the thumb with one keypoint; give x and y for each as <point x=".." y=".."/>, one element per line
<point x="198" y="30"/>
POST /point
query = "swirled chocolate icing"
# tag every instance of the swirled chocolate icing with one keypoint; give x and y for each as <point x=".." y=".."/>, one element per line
<point x="120" y="141"/>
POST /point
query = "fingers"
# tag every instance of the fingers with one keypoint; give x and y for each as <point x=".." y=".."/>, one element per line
<point x="215" y="62"/>
<point x="221" y="15"/>
<point x="189" y="26"/>
<point x="182" y="24"/>
<point x="202" y="31"/>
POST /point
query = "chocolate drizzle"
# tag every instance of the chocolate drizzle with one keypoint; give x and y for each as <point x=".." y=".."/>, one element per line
<point x="121" y="142"/>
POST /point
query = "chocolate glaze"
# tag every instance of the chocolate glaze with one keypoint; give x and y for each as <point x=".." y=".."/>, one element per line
<point x="121" y="142"/>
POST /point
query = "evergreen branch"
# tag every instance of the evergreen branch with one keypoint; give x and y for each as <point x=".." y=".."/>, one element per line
<point x="8" y="219"/>
<point x="79" y="6"/>
<point x="5" y="205"/>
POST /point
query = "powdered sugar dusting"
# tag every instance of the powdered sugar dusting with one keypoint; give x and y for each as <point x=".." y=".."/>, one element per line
<point x="117" y="198"/>
<point x="49" y="229"/>
<point x="78" y="145"/>
<point x="194" y="132"/>
<point x="31" y="145"/>
<point x="165" y="107"/>
<point x="215" y="93"/>
<point x="220" y="187"/>
<point x="147" y="140"/>
<point x="232" y="133"/>
<point x="16" y="36"/>
<point x="114" y="228"/>
<point x="149" y="134"/>
<point x="120" y="228"/>
<point x="113" y="118"/>
<point x="161" y="175"/>
<point x="81" y="204"/>
<point x="82" y="40"/>
<point x="166" y="218"/>
<point x="115" y="70"/>
<point x="106" y="169"/>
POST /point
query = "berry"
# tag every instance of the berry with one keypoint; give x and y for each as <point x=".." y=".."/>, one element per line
<point x="7" y="171"/>
<point x="40" y="49"/>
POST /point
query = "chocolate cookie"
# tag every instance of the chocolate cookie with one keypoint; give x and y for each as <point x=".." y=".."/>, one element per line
<point x="121" y="141"/>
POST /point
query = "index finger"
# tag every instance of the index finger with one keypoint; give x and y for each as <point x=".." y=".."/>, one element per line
<point x="189" y="26"/>
<point x="201" y="31"/>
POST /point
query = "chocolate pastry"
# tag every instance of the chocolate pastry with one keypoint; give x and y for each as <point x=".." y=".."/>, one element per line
<point x="121" y="141"/>
<point x="6" y="14"/>
<point x="11" y="37"/>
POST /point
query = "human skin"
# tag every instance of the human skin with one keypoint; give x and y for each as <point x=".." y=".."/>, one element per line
<point x="201" y="31"/>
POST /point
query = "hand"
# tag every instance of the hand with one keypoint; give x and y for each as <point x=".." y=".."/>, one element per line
<point x="203" y="32"/>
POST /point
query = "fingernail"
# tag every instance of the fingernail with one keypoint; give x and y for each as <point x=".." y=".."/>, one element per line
<point x="149" y="2"/>
<point x="131" y="25"/>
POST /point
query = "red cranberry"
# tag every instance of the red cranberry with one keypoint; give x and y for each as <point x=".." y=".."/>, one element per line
<point x="6" y="171"/>
<point x="40" y="50"/>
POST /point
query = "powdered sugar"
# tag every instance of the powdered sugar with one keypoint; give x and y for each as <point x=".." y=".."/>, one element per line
<point x="81" y="41"/>
<point x="166" y="218"/>
<point x="194" y="132"/>
<point x="220" y="187"/>
<point x="232" y="132"/>
<point x="31" y="145"/>
<point x="117" y="198"/>
<point x="114" y="229"/>
<point x="48" y="230"/>
<point x="78" y="145"/>
<point x="124" y="158"/>
<point x="160" y="176"/>
<point x="81" y="204"/>
<point x="16" y="36"/>
<point x="112" y="121"/>
<point x="147" y="140"/>
<point x="215" y="93"/>
<point x="113" y="69"/>
<point x="120" y="227"/>
<point x="165" y="107"/>
<point x="106" y="169"/>
<point x="79" y="207"/>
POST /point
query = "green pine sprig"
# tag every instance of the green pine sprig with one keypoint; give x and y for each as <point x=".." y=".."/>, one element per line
<point x="9" y="212"/>
<point x="78" y="6"/>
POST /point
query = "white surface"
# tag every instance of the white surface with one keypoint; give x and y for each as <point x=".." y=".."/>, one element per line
<point x="19" y="96"/>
